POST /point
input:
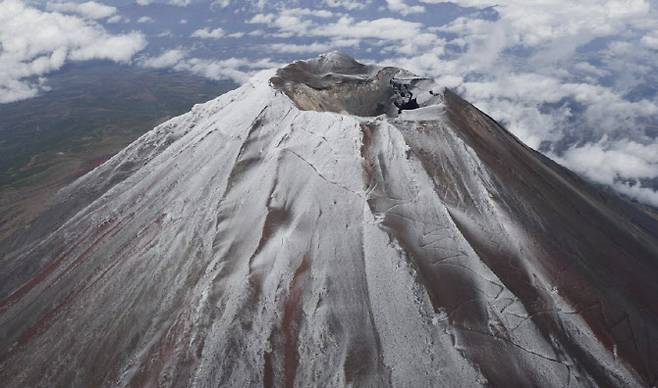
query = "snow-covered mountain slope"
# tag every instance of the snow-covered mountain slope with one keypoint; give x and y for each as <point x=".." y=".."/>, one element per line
<point x="331" y="224"/>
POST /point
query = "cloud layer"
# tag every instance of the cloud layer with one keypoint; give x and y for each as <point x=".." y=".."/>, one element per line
<point x="235" y="69"/>
<point x="537" y="67"/>
<point x="36" y="42"/>
<point x="89" y="9"/>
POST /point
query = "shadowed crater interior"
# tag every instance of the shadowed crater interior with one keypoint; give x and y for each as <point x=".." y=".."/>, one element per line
<point x="335" y="82"/>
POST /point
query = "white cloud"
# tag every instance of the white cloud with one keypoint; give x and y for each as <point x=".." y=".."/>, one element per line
<point x="117" y="19"/>
<point x="402" y="7"/>
<point x="165" y="34"/>
<point x="318" y="13"/>
<point x="180" y="3"/>
<point x="620" y="164"/>
<point x="145" y="19"/>
<point x="222" y="3"/>
<point x="606" y="161"/>
<point x="384" y="28"/>
<point x="299" y="48"/>
<point x="235" y="69"/>
<point x="315" y="47"/>
<point x="169" y="58"/>
<point x="35" y="43"/>
<point x="345" y="26"/>
<point x="348" y="4"/>
<point x="410" y="37"/>
<point x="261" y="19"/>
<point x="650" y="40"/>
<point x="206" y="33"/>
<point x="635" y="190"/>
<point x="89" y="9"/>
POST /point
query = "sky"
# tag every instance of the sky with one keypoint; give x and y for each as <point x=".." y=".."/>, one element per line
<point x="576" y="80"/>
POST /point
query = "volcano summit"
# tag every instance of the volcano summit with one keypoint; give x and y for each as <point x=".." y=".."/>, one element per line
<point x="331" y="224"/>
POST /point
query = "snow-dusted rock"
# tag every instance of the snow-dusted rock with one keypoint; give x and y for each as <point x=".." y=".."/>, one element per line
<point x="312" y="229"/>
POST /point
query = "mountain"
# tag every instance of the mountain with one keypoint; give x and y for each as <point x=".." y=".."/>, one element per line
<point x="331" y="224"/>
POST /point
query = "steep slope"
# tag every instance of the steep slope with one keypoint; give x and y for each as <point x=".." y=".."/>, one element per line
<point x="332" y="224"/>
